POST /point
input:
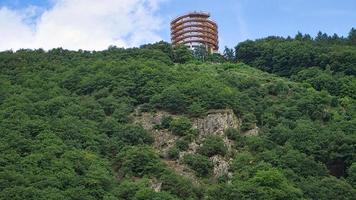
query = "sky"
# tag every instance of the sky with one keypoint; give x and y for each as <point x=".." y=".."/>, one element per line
<point x="97" y="24"/>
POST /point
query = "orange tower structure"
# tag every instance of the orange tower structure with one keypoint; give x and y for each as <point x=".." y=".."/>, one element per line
<point x="195" y="29"/>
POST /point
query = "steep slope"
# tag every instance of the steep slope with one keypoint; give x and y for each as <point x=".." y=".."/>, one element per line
<point x="68" y="130"/>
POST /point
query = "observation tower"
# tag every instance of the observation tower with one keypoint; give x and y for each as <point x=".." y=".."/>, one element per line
<point x="195" y="29"/>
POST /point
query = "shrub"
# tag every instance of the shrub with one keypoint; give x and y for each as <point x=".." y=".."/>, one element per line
<point x="173" y="153"/>
<point x="179" y="186"/>
<point x="138" y="161"/>
<point x="196" y="109"/>
<point x="139" y="190"/>
<point x="190" y="135"/>
<point x="134" y="135"/>
<point x="199" y="163"/>
<point x="248" y="122"/>
<point x="213" y="145"/>
<point x="149" y="194"/>
<point x="232" y="134"/>
<point x="182" y="144"/>
<point x="180" y="126"/>
<point x="166" y="121"/>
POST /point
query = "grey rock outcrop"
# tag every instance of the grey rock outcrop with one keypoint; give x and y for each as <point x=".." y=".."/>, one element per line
<point x="216" y="122"/>
<point x="221" y="166"/>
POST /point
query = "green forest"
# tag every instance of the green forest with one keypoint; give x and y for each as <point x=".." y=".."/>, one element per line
<point x="67" y="128"/>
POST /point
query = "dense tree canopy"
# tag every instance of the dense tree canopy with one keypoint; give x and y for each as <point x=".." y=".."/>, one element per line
<point x="67" y="129"/>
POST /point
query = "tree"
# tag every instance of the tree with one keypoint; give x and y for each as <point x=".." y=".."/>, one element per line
<point x="200" y="164"/>
<point x="229" y="54"/>
<point x="201" y="53"/>
<point x="213" y="145"/>
<point x="138" y="161"/>
<point x="180" y="186"/>
<point x="182" y="54"/>
<point x="180" y="126"/>
<point x="327" y="188"/>
<point x="352" y="36"/>
<point x="269" y="184"/>
<point x="351" y="178"/>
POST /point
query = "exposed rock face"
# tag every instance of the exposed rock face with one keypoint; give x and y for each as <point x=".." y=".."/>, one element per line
<point x="221" y="166"/>
<point x="216" y="122"/>
<point x="252" y="132"/>
<point x="149" y="120"/>
<point x="156" y="185"/>
<point x="164" y="140"/>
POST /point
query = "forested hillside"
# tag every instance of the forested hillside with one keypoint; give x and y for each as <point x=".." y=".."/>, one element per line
<point x="326" y="62"/>
<point x="68" y="128"/>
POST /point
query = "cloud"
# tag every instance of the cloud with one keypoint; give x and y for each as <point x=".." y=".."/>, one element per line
<point x="81" y="24"/>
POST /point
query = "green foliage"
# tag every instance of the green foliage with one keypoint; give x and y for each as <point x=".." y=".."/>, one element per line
<point x="327" y="188"/>
<point x="235" y="135"/>
<point x="133" y="135"/>
<point x="326" y="62"/>
<point x="173" y="153"/>
<point x="182" y="144"/>
<point x="351" y="178"/>
<point x="229" y="54"/>
<point x="68" y="130"/>
<point x="336" y="84"/>
<point x="352" y="36"/>
<point x="269" y="184"/>
<point x="140" y="191"/>
<point x="182" y="54"/>
<point x="232" y="134"/>
<point x="138" y="161"/>
<point x="180" y="186"/>
<point x="196" y="109"/>
<point x="166" y="122"/>
<point x="201" y="53"/>
<point x="180" y="126"/>
<point x="248" y="122"/>
<point x="213" y="145"/>
<point x="149" y="194"/>
<point x="199" y="163"/>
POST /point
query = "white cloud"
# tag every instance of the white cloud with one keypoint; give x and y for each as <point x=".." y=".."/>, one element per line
<point x="82" y="24"/>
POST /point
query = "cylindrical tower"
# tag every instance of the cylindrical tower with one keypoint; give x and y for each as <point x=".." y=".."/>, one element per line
<point x="195" y="29"/>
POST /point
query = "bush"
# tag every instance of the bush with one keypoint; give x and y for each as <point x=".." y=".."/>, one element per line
<point x="232" y="134"/>
<point x="199" y="163"/>
<point x="166" y="121"/>
<point x="196" y="109"/>
<point x="182" y="144"/>
<point x="134" y="134"/>
<point x="140" y="190"/>
<point x="173" y="153"/>
<point x="149" y="194"/>
<point x="248" y="122"/>
<point x="180" y="126"/>
<point x="179" y="186"/>
<point x="351" y="178"/>
<point x="190" y="135"/>
<point x="213" y="145"/>
<point x="138" y="161"/>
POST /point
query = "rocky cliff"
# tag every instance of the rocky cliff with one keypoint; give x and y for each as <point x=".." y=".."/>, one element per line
<point x="215" y="122"/>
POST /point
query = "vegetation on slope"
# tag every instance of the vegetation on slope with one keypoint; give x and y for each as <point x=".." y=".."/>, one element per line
<point x="326" y="62"/>
<point x="66" y="131"/>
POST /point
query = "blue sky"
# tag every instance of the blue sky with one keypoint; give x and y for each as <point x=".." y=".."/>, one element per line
<point x="250" y="19"/>
<point x="238" y="20"/>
